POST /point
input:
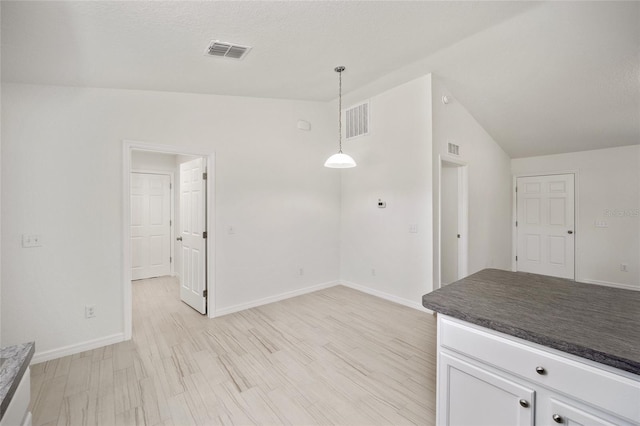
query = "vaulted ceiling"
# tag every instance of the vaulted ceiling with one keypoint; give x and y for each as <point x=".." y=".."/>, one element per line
<point x="540" y="77"/>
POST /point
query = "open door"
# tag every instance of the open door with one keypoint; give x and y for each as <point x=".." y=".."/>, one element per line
<point x="193" y="234"/>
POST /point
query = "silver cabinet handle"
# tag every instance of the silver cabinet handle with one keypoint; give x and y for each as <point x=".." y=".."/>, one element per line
<point x="569" y="232"/>
<point x="179" y="238"/>
<point x="557" y="418"/>
<point x="541" y="370"/>
<point x="524" y="403"/>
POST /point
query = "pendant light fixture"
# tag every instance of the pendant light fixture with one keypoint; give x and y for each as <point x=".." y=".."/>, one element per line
<point x="340" y="160"/>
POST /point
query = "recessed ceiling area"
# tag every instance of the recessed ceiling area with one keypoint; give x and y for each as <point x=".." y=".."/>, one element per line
<point x="540" y="77"/>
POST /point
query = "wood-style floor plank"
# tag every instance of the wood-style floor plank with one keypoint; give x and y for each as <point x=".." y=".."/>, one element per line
<point x="336" y="356"/>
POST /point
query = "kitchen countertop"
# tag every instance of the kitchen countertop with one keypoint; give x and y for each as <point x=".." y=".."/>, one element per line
<point x="16" y="360"/>
<point x="598" y="323"/>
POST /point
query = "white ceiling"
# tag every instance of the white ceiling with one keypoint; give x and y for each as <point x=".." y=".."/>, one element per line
<point x="541" y="78"/>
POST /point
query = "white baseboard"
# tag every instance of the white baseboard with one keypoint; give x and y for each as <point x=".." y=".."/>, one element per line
<point x="278" y="297"/>
<point x="609" y="284"/>
<point x="386" y="296"/>
<point x="76" y="348"/>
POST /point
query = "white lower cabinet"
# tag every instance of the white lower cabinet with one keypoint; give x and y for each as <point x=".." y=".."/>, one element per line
<point x="473" y="396"/>
<point x="487" y="378"/>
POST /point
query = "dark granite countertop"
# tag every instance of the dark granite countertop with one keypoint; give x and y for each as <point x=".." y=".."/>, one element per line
<point x="16" y="359"/>
<point x="598" y="323"/>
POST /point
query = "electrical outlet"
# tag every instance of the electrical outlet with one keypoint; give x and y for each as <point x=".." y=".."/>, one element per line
<point x="373" y="272"/>
<point x="624" y="267"/>
<point x="90" y="311"/>
<point x="301" y="271"/>
<point x="413" y="228"/>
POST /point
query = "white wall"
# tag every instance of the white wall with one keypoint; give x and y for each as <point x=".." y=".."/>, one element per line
<point x="489" y="180"/>
<point x="394" y="164"/>
<point x="154" y="161"/>
<point x="608" y="189"/>
<point x="62" y="171"/>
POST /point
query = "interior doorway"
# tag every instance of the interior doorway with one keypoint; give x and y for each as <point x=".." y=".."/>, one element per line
<point x="453" y="222"/>
<point x="155" y="165"/>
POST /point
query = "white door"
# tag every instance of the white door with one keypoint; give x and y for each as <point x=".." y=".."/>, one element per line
<point x="472" y="396"/>
<point x="193" y="276"/>
<point x="545" y="225"/>
<point x="150" y="225"/>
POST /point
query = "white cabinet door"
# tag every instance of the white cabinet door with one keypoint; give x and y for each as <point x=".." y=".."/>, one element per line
<point x="192" y="228"/>
<point x="150" y="225"/>
<point x="545" y="229"/>
<point x="471" y="396"/>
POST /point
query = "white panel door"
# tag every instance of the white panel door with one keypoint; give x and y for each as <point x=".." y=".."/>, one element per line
<point x="545" y="225"/>
<point x="150" y="225"/>
<point x="193" y="226"/>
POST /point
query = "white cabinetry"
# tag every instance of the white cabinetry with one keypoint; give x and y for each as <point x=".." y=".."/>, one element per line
<point x="475" y="396"/>
<point x="17" y="413"/>
<point x="488" y="378"/>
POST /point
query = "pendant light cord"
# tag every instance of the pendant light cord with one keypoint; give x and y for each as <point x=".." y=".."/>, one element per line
<point x="340" y="110"/>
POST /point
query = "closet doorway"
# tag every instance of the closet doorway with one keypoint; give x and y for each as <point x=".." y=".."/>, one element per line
<point x="453" y="221"/>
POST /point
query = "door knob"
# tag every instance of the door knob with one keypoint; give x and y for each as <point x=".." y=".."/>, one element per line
<point x="557" y="418"/>
<point x="524" y="403"/>
<point x="569" y="232"/>
<point x="541" y="371"/>
<point x="179" y="238"/>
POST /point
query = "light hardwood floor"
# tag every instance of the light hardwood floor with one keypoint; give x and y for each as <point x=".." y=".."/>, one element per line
<point x="336" y="356"/>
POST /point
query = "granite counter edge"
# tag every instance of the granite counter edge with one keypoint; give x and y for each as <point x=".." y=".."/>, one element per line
<point x="591" y="354"/>
<point x="14" y="368"/>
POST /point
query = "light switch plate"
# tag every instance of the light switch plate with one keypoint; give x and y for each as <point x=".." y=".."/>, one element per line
<point x="31" y="240"/>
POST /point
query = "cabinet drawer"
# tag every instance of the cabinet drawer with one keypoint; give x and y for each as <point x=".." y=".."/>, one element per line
<point x="614" y="393"/>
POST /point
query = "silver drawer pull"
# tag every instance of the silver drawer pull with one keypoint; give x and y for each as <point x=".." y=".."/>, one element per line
<point x="524" y="403"/>
<point x="557" y="418"/>
<point x="541" y="370"/>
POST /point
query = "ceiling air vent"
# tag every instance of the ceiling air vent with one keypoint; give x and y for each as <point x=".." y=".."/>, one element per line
<point x="454" y="149"/>
<point x="227" y="50"/>
<point x="357" y="121"/>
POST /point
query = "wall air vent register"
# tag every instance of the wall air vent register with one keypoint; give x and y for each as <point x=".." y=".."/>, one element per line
<point x="357" y="121"/>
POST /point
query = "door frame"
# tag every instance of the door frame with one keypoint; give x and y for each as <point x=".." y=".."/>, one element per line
<point x="172" y="235"/>
<point x="127" y="147"/>
<point x="576" y="215"/>
<point x="463" y="219"/>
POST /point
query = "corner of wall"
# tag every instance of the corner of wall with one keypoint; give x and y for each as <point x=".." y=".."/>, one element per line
<point x="388" y="251"/>
<point x="489" y="235"/>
